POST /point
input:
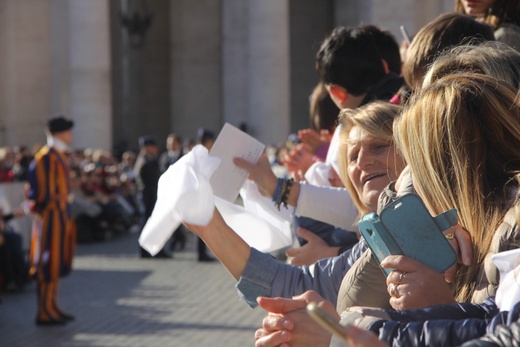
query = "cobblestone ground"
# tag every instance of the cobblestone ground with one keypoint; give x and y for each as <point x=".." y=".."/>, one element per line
<point x="121" y="300"/>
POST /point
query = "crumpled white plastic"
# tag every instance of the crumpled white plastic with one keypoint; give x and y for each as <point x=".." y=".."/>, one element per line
<point x="319" y="174"/>
<point x="184" y="194"/>
<point x="273" y="229"/>
<point x="254" y="229"/>
<point x="508" y="293"/>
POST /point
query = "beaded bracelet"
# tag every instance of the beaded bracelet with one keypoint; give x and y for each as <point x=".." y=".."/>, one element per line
<point x="278" y="190"/>
<point x="283" y="196"/>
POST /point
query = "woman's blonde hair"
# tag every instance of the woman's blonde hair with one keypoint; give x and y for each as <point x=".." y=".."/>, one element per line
<point x="375" y="118"/>
<point x="446" y="31"/>
<point x="490" y="58"/>
<point x="461" y="138"/>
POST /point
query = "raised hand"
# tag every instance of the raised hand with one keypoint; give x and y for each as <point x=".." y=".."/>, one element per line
<point x="315" y="249"/>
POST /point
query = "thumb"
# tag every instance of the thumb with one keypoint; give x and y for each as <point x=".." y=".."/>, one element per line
<point x="242" y="163"/>
<point x="305" y="234"/>
<point x="291" y="252"/>
<point x="280" y="305"/>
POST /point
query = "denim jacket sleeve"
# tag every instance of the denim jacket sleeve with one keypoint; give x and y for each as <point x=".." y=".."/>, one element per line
<point x="264" y="275"/>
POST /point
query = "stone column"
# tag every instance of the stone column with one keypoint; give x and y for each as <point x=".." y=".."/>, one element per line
<point x="310" y="23"/>
<point x="25" y="69"/>
<point x="269" y="66"/>
<point x="90" y="77"/>
<point x="235" y="63"/>
<point x="196" y="69"/>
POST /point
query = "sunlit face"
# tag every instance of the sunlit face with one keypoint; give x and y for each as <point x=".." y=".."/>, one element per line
<point x="476" y="8"/>
<point x="372" y="165"/>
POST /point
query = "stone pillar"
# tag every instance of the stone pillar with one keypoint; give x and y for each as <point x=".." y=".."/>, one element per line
<point x="90" y="75"/>
<point x="25" y="61"/>
<point x="310" y="23"/>
<point x="60" y="57"/>
<point x="269" y="66"/>
<point x="196" y="69"/>
<point x="235" y="62"/>
<point x="141" y="75"/>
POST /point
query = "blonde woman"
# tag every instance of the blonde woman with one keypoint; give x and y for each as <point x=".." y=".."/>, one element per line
<point x="373" y="163"/>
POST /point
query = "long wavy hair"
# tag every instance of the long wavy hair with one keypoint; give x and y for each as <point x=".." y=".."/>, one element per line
<point x="444" y="32"/>
<point x="461" y="137"/>
<point x="490" y="58"/>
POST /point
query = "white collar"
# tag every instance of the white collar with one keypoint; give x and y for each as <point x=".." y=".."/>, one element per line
<point x="57" y="143"/>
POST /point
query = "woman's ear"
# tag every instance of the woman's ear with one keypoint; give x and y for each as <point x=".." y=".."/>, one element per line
<point x="338" y="94"/>
<point x="385" y="66"/>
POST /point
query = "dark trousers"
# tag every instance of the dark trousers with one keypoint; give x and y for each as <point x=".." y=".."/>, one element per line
<point x="13" y="266"/>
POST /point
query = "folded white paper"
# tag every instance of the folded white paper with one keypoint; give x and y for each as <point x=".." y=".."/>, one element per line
<point x="508" y="293"/>
<point x="184" y="194"/>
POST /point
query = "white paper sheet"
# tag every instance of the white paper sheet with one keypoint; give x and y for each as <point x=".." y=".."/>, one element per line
<point x="228" y="178"/>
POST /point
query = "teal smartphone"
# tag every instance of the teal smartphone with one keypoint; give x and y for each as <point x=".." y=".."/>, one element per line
<point x="406" y="227"/>
<point x="326" y="320"/>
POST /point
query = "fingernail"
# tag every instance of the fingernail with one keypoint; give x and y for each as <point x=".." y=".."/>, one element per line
<point x="285" y="335"/>
<point x="287" y="324"/>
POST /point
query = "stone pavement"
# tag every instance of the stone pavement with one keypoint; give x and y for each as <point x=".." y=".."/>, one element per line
<point x="121" y="300"/>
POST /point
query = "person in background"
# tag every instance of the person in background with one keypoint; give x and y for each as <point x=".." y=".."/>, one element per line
<point x="22" y="160"/>
<point x="503" y="16"/>
<point x="54" y="235"/>
<point x="148" y="172"/>
<point x="205" y="138"/>
<point x="174" y="151"/>
<point x="13" y="265"/>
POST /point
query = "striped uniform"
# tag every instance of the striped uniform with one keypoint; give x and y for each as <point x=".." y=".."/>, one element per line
<point x="54" y="233"/>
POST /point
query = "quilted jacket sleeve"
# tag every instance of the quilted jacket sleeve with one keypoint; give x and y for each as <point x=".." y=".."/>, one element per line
<point x="441" y="325"/>
<point x="502" y="331"/>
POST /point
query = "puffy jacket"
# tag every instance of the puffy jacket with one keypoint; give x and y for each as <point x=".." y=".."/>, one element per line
<point x="502" y="331"/>
<point x="440" y="325"/>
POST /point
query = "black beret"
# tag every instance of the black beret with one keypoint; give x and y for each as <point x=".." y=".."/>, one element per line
<point x="147" y="141"/>
<point x="58" y="124"/>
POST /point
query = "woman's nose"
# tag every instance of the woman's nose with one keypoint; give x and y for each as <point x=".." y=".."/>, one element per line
<point x="365" y="159"/>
